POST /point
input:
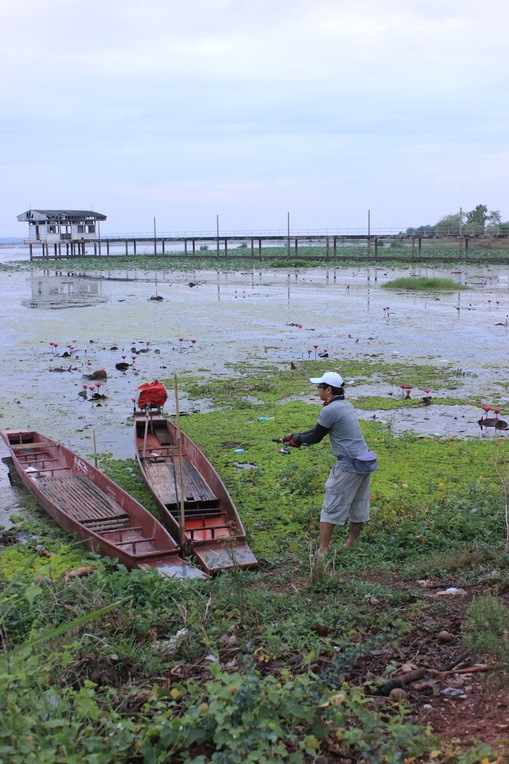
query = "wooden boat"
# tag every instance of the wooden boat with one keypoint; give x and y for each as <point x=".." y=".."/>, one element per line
<point x="82" y="500"/>
<point x="193" y="500"/>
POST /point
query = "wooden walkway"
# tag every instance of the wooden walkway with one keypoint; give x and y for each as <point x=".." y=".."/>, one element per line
<point x="252" y="245"/>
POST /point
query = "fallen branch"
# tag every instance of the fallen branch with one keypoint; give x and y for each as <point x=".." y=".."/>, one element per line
<point x="402" y="681"/>
<point x="471" y="670"/>
<point x="461" y="658"/>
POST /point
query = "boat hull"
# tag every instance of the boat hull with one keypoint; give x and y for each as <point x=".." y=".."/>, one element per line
<point x="194" y="502"/>
<point x="83" y="501"/>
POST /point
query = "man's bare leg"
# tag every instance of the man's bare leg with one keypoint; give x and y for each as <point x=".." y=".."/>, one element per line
<point x="326" y="530"/>
<point x="355" y="529"/>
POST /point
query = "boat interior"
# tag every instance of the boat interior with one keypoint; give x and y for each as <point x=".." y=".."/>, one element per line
<point x="205" y="520"/>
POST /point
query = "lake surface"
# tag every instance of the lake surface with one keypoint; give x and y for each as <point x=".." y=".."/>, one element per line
<point x="257" y="316"/>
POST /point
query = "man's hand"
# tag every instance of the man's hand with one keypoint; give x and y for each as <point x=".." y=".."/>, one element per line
<point x="291" y="441"/>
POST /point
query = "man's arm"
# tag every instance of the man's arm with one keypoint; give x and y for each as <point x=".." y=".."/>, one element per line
<point x="315" y="435"/>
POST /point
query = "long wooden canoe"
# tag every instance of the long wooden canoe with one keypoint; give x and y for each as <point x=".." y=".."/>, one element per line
<point x="82" y="500"/>
<point x="194" y="502"/>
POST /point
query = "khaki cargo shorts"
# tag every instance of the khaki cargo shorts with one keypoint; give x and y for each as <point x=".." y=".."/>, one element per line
<point x="346" y="497"/>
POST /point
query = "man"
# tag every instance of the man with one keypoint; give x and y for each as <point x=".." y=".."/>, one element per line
<point x="347" y="488"/>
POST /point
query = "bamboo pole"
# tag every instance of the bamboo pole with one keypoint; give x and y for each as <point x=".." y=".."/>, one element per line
<point x="145" y="435"/>
<point x="181" y="467"/>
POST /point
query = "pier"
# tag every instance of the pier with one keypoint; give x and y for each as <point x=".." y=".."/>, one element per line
<point x="240" y="244"/>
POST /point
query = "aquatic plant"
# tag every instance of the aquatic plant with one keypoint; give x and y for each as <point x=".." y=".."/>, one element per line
<point x="424" y="284"/>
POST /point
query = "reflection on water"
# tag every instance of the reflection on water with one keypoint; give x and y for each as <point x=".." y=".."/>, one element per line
<point x="63" y="292"/>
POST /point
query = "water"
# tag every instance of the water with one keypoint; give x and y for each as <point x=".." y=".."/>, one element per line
<point x="258" y="317"/>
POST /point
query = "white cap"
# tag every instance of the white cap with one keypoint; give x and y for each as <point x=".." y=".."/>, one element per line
<point x="329" y="378"/>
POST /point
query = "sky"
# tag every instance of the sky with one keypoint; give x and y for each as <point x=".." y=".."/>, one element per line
<point x="252" y="115"/>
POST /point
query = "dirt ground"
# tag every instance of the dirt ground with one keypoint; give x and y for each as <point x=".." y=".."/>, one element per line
<point x="205" y="322"/>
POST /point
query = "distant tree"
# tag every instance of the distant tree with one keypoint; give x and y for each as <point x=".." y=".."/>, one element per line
<point x="476" y="220"/>
<point x="450" y="224"/>
<point x="494" y="222"/>
<point x="481" y="220"/>
<point x="422" y="229"/>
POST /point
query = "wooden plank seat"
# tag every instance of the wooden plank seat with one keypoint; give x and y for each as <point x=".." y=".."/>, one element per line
<point x="85" y="502"/>
<point x="126" y="529"/>
<point x="27" y="446"/>
<point x="155" y="553"/>
<point x="101" y="526"/>
<point x="209" y="531"/>
<point x="161" y="449"/>
<point x="162" y="435"/>
<point x="133" y="542"/>
<point x="40" y="470"/>
<point x="23" y="457"/>
<point x="133" y="547"/>
<point x="30" y="458"/>
<point x="158" y="453"/>
<point x="165" y="480"/>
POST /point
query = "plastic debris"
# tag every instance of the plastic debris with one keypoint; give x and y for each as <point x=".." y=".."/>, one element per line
<point x="452" y="591"/>
<point x="453" y="692"/>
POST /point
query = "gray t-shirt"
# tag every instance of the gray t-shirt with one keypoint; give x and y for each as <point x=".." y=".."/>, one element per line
<point x="345" y="435"/>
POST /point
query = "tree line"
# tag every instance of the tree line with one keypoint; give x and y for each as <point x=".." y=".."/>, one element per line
<point x="478" y="221"/>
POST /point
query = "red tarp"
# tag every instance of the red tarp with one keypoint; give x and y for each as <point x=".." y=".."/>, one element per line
<point x="152" y="394"/>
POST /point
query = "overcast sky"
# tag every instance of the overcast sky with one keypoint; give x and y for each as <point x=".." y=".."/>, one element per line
<point x="245" y="111"/>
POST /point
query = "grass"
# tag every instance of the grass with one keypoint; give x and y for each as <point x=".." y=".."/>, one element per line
<point x="251" y="666"/>
<point x="425" y="284"/>
<point x="396" y="254"/>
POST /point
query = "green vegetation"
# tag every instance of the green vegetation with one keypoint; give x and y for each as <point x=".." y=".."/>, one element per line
<point x="281" y="664"/>
<point x="487" y="630"/>
<point x="390" y="253"/>
<point x="425" y="284"/>
<point x="478" y="221"/>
